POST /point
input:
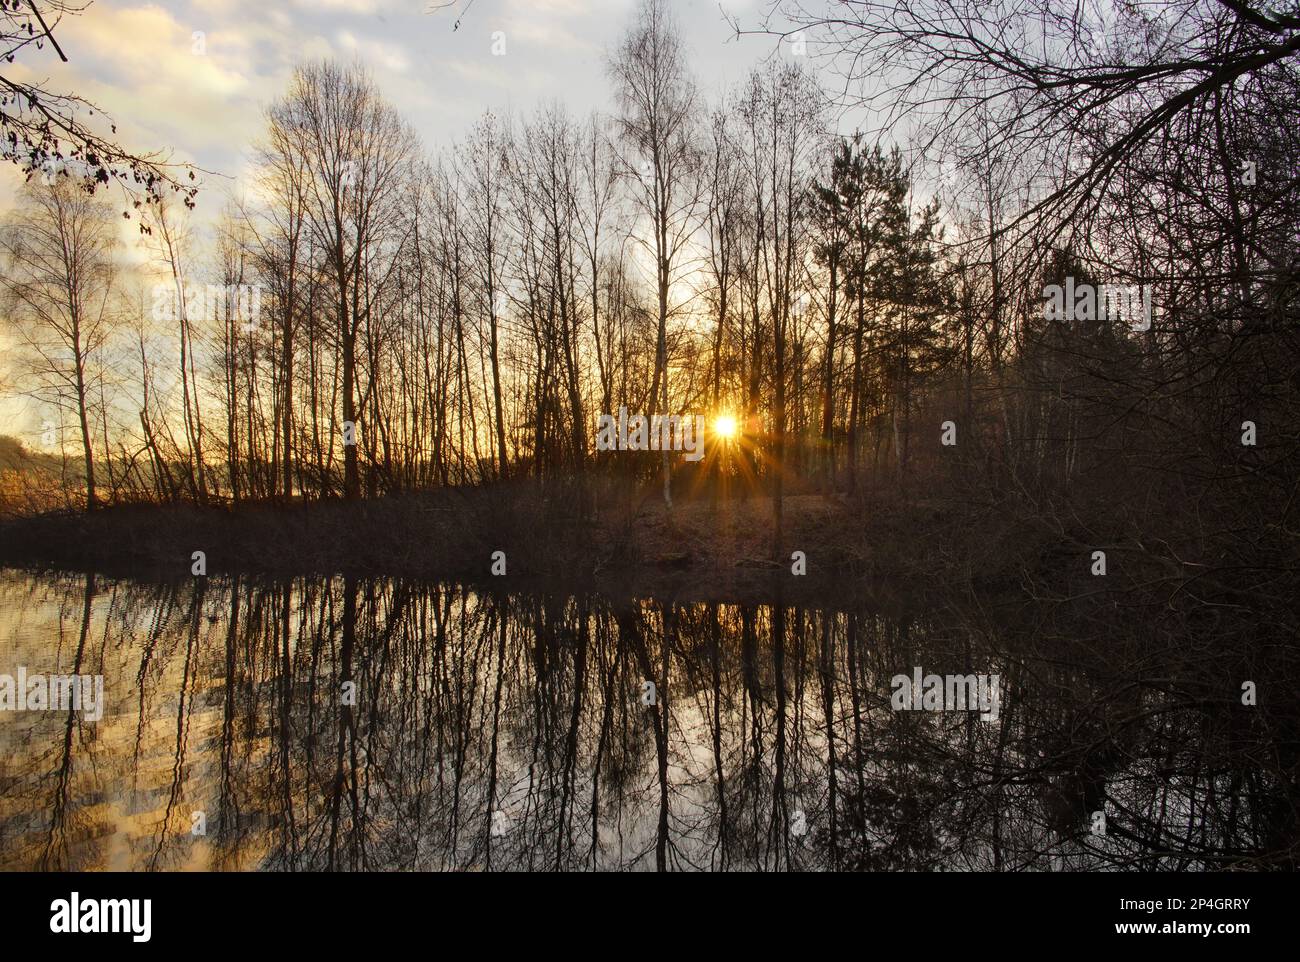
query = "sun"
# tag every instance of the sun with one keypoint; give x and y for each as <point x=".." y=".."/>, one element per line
<point x="725" y="426"/>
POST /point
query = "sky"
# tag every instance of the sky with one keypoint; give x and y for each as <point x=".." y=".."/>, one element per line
<point x="195" y="77"/>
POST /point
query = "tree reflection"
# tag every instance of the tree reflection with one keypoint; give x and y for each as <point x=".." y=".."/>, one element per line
<point x="508" y="732"/>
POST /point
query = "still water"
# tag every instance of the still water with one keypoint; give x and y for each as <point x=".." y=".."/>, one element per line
<point x="354" y="723"/>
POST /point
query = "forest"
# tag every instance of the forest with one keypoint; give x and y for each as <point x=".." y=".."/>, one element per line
<point x="871" y="318"/>
<point x="618" y="460"/>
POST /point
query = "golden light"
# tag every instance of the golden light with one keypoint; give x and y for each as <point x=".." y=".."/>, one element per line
<point x="725" y="426"/>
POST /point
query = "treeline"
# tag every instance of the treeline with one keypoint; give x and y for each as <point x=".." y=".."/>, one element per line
<point x="465" y="316"/>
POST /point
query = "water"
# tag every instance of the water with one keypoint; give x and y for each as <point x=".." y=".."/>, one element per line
<point x="511" y="731"/>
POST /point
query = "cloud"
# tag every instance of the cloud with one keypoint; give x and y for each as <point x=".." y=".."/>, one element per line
<point x="357" y="7"/>
<point x="389" y="56"/>
<point x="189" y="83"/>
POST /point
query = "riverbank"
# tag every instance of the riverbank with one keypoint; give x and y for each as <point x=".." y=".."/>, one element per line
<point x="698" y="550"/>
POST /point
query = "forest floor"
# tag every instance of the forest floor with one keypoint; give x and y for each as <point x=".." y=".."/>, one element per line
<point x="700" y="549"/>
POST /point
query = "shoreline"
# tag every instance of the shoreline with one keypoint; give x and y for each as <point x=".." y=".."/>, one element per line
<point x="698" y="551"/>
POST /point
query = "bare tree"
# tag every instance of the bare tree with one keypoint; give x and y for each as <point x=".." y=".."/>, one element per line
<point x="359" y="153"/>
<point x="1085" y="88"/>
<point x="173" y="242"/>
<point x="780" y="113"/>
<point x="58" y="283"/>
<point x="486" y="158"/>
<point x="280" y="238"/>
<point x="44" y="131"/>
<point x="658" y="102"/>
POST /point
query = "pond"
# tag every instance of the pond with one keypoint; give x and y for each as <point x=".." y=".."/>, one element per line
<point x="348" y="723"/>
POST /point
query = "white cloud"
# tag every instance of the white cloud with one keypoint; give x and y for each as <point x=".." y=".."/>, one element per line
<point x="357" y="7"/>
